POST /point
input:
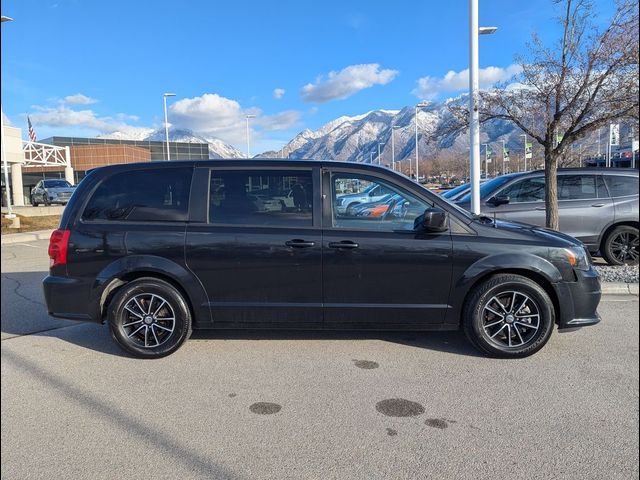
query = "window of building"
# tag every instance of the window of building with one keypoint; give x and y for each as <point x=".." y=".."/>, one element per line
<point x="142" y="195"/>
<point x="261" y="197"/>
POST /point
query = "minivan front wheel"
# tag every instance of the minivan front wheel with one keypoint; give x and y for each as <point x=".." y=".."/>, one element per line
<point x="508" y="316"/>
<point x="620" y="247"/>
<point x="149" y="318"/>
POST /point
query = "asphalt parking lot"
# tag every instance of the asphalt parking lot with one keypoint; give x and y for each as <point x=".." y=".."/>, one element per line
<point x="266" y="405"/>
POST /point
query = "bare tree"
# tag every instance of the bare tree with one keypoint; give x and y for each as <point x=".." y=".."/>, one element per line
<point x="568" y="90"/>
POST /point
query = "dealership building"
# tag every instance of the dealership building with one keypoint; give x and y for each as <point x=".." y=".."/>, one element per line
<point x="71" y="157"/>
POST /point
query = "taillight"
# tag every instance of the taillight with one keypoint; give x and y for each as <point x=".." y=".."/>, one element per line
<point x="58" y="244"/>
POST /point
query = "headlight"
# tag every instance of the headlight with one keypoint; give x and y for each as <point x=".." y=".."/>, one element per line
<point x="578" y="257"/>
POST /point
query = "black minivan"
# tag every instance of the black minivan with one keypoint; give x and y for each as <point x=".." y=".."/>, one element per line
<point x="157" y="249"/>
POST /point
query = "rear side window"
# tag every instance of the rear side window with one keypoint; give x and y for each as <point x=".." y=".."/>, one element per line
<point x="579" y="187"/>
<point x="622" y="186"/>
<point x="261" y="197"/>
<point x="142" y="195"/>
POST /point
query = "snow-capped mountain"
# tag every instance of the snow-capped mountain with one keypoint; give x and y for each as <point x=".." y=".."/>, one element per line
<point x="217" y="148"/>
<point x="356" y="138"/>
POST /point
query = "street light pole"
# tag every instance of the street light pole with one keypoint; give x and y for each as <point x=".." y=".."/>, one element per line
<point x="166" y="121"/>
<point x="525" y="150"/>
<point x="418" y="106"/>
<point x="4" y="153"/>
<point x="247" y="117"/>
<point x="379" y="160"/>
<point x="393" y="147"/>
<point x="503" y="159"/>
<point x="474" y="114"/>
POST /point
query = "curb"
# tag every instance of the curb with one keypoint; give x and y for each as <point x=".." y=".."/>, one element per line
<point x="25" y="237"/>
<point x="619" y="288"/>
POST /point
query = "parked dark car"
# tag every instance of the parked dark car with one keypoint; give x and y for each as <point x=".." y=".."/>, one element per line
<point x="157" y="249"/>
<point x="597" y="206"/>
<point x="52" y="191"/>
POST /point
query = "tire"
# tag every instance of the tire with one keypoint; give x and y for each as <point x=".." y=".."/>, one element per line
<point x="33" y="201"/>
<point x="494" y="335"/>
<point x="45" y="200"/>
<point x="620" y="247"/>
<point x="137" y="317"/>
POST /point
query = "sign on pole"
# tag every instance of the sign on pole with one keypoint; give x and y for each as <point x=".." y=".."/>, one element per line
<point x="505" y="154"/>
<point x="614" y="134"/>
<point x="528" y="150"/>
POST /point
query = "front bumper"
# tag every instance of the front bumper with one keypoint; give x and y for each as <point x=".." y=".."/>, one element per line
<point x="578" y="301"/>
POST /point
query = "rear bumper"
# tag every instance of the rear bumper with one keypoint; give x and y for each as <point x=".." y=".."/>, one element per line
<point x="64" y="299"/>
<point x="579" y="300"/>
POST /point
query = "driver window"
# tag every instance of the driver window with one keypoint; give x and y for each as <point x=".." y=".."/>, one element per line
<point x="366" y="203"/>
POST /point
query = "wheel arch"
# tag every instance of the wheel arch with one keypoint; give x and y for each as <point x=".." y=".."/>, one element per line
<point x="536" y="277"/>
<point x="530" y="266"/>
<point x="613" y="226"/>
<point x="127" y="269"/>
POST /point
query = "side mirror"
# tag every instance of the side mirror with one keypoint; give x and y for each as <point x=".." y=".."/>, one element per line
<point x="499" y="200"/>
<point x="433" y="220"/>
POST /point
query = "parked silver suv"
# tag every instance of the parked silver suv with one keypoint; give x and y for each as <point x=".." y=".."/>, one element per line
<point x="597" y="206"/>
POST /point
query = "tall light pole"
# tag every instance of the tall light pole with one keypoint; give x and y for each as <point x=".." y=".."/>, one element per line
<point x="393" y="146"/>
<point x="7" y="188"/>
<point x="474" y="114"/>
<point x="379" y="161"/>
<point x="247" y="117"/>
<point x="166" y="121"/>
<point x="418" y="106"/>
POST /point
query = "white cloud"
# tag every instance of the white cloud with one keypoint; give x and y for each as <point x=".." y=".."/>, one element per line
<point x="78" y="99"/>
<point x="224" y="118"/>
<point x="346" y="82"/>
<point x="5" y="120"/>
<point x="62" y="116"/>
<point x="278" y="93"/>
<point x="280" y="121"/>
<point x="431" y="87"/>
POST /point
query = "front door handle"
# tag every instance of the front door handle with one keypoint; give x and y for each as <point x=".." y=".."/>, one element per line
<point x="345" y="244"/>
<point x="598" y="205"/>
<point x="298" y="243"/>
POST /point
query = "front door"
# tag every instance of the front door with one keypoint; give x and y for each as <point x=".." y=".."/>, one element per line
<point x="259" y="256"/>
<point x="378" y="273"/>
<point x="526" y="202"/>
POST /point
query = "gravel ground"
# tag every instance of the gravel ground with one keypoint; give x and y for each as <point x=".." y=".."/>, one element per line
<point x="626" y="273"/>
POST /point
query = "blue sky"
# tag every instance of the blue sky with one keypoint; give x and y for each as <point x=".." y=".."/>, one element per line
<point x="90" y="67"/>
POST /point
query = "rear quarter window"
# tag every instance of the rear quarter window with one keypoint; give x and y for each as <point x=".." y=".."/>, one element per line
<point x="142" y="195"/>
<point x="622" y="185"/>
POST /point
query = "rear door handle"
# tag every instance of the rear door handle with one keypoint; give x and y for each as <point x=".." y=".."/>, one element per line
<point x="598" y="205"/>
<point x="298" y="243"/>
<point x="345" y="244"/>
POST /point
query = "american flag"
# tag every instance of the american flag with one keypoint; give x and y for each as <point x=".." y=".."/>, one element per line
<point x="32" y="132"/>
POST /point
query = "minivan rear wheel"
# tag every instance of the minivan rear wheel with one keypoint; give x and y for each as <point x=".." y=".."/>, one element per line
<point x="508" y="316"/>
<point x="149" y="318"/>
<point x="620" y="247"/>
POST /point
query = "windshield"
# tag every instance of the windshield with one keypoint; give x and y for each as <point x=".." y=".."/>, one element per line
<point x="56" y="184"/>
<point x="488" y="187"/>
<point x="455" y="191"/>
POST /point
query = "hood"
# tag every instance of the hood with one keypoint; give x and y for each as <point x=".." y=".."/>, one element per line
<point x="540" y="234"/>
